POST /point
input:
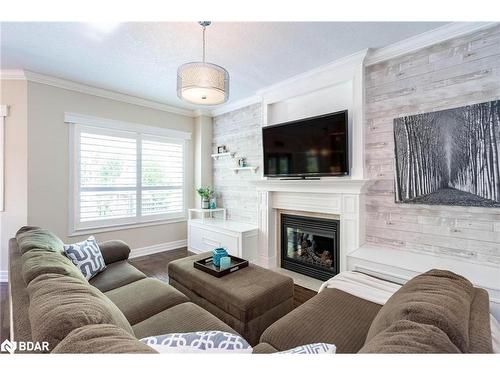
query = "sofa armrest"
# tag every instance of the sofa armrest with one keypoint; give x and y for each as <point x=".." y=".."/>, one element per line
<point x="114" y="251"/>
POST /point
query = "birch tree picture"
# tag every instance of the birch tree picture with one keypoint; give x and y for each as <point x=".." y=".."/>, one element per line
<point x="449" y="157"/>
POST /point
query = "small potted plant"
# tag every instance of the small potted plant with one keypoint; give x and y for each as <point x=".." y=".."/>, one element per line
<point x="205" y="194"/>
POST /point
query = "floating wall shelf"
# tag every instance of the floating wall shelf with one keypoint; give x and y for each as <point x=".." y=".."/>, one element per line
<point x="223" y="155"/>
<point x="253" y="169"/>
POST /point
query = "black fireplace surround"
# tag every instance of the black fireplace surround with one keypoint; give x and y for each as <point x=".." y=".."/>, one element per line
<point x="310" y="245"/>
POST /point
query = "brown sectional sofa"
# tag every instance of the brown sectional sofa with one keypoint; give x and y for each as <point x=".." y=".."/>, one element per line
<point x="52" y="301"/>
<point x="436" y="312"/>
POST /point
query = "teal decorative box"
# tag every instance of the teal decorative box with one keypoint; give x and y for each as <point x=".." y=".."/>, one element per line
<point x="217" y="254"/>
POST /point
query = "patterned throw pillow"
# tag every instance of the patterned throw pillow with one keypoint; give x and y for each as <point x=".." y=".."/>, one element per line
<point x="198" y="342"/>
<point x="318" y="348"/>
<point x="87" y="256"/>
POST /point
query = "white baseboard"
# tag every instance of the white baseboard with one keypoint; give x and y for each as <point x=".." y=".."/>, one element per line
<point x="165" y="246"/>
<point x="4" y="276"/>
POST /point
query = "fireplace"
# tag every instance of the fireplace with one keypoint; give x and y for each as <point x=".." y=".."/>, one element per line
<point x="310" y="245"/>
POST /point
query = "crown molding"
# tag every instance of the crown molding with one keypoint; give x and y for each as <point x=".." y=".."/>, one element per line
<point x="237" y="104"/>
<point x="429" y="38"/>
<point x="16" y="74"/>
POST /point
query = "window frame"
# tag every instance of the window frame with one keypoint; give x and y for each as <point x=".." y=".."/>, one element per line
<point x="79" y="123"/>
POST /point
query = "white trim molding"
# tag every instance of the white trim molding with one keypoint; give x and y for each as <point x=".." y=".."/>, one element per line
<point x="137" y="133"/>
<point x="115" y="228"/>
<point x="4" y="276"/>
<point x="17" y="74"/>
<point x="76" y="118"/>
<point x="161" y="247"/>
<point x="429" y="38"/>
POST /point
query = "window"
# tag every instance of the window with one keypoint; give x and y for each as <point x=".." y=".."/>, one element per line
<point x="125" y="177"/>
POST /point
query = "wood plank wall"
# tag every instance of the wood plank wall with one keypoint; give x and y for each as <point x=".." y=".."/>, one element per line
<point x="240" y="131"/>
<point x="452" y="74"/>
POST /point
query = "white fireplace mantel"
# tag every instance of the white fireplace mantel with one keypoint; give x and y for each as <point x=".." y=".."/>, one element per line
<point x="326" y="185"/>
<point x="342" y="198"/>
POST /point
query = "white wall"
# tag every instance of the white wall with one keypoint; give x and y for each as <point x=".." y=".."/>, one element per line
<point x="48" y="159"/>
<point x="14" y="94"/>
<point x="202" y="146"/>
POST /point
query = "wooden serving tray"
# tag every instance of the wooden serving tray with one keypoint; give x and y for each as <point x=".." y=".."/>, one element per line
<point x="206" y="265"/>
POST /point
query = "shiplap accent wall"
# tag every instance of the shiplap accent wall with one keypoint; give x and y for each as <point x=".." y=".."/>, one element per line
<point x="452" y="74"/>
<point x="240" y="132"/>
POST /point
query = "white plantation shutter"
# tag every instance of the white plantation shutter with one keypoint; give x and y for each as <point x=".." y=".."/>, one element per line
<point x="162" y="176"/>
<point x="125" y="177"/>
<point x="108" y="181"/>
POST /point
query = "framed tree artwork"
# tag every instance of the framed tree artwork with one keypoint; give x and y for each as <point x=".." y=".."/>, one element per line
<point x="449" y="157"/>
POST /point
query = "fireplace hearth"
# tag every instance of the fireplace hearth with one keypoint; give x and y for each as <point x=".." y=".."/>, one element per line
<point x="310" y="245"/>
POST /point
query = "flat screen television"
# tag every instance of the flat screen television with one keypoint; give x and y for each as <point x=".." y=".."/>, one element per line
<point x="311" y="147"/>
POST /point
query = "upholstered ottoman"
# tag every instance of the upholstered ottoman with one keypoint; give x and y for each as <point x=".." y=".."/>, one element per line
<point x="248" y="300"/>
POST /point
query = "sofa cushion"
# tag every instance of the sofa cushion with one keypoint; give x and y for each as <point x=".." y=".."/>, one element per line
<point x="332" y="317"/>
<point x="404" y="336"/>
<point x="144" y="298"/>
<point x="186" y="317"/>
<point x="59" y="304"/>
<point x="39" y="262"/>
<point x="264" y="348"/>
<point x="116" y="275"/>
<point x="101" y="338"/>
<point x="29" y="238"/>
<point x="439" y="298"/>
<point x="87" y="256"/>
<point x="114" y="251"/>
<point x="480" y="340"/>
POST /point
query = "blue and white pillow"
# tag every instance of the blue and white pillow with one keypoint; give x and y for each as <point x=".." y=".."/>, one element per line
<point x="87" y="256"/>
<point x="199" y="342"/>
<point x="318" y="348"/>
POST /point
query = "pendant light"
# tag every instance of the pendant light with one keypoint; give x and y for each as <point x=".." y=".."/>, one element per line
<point x="202" y="82"/>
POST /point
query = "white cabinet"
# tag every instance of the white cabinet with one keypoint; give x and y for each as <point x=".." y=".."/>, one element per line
<point x="240" y="239"/>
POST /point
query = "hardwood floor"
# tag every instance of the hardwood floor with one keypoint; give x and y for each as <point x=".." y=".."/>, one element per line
<point x="4" y="312"/>
<point x="155" y="265"/>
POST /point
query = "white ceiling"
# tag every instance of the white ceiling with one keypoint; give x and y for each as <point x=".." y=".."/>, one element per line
<point x="141" y="59"/>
